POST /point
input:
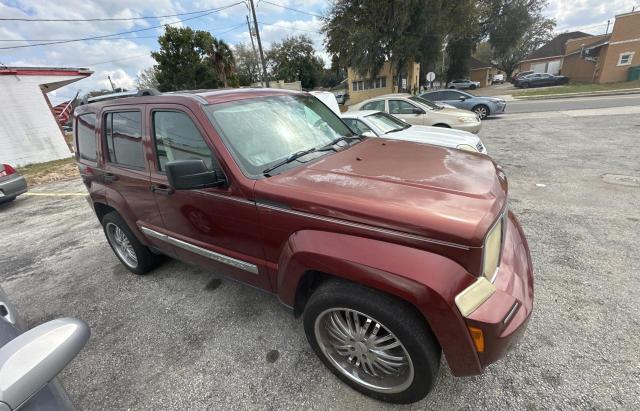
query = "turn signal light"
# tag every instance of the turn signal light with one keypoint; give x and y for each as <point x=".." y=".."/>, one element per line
<point x="478" y="338"/>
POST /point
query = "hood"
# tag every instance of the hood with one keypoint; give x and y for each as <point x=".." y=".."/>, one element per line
<point x="457" y="112"/>
<point x="439" y="136"/>
<point x="436" y="192"/>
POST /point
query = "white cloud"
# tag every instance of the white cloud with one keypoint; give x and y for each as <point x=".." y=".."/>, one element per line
<point x="587" y="15"/>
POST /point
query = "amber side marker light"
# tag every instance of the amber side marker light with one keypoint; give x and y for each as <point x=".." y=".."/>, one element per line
<point x="478" y="338"/>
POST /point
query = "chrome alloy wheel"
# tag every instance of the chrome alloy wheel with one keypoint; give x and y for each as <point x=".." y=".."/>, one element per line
<point x="481" y="111"/>
<point x="364" y="350"/>
<point x="122" y="245"/>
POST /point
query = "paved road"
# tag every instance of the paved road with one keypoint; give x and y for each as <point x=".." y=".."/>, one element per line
<point x="579" y="103"/>
<point x="180" y="338"/>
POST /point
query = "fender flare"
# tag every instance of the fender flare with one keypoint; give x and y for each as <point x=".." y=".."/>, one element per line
<point x="115" y="200"/>
<point x="390" y="268"/>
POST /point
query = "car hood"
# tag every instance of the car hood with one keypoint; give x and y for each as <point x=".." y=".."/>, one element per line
<point x="440" y="136"/>
<point x="455" y="112"/>
<point x="441" y="193"/>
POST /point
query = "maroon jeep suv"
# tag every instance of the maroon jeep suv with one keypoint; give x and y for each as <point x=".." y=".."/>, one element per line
<point x="393" y="252"/>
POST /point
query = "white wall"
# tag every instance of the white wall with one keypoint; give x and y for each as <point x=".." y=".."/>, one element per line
<point x="29" y="132"/>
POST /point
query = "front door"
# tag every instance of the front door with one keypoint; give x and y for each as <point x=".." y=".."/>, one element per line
<point x="216" y="228"/>
<point x="407" y="112"/>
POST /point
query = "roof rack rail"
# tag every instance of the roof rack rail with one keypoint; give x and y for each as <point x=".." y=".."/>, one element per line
<point x="124" y="94"/>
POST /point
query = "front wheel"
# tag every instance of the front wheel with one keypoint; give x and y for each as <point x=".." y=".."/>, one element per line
<point x="374" y="342"/>
<point x="482" y="111"/>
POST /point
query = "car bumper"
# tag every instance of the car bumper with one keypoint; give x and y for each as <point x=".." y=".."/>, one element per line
<point x="12" y="187"/>
<point x="470" y="127"/>
<point x="499" y="108"/>
<point x="503" y="317"/>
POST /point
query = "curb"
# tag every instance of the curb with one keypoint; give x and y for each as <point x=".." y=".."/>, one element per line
<point x="621" y="92"/>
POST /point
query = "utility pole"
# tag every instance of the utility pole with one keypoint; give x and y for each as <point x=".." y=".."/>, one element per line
<point x="253" y="46"/>
<point x="111" y="82"/>
<point x="607" y="32"/>
<point x="255" y="23"/>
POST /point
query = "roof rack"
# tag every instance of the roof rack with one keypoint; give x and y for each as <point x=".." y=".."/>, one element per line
<point x="112" y="96"/>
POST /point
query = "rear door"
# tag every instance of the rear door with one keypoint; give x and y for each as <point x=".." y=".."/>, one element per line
<point x="125" y="171"/>
<point x="216" y="228"/>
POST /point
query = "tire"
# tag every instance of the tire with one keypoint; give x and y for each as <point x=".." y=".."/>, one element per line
<point x="398" y="322"/>
<point x="442" y="125"/>
<point x="452" y="87"/>
<point x="524" y="85"/>
<point x="481" y="110"/>
<point x="472" y="87"/>
<point x="145" y="259"/>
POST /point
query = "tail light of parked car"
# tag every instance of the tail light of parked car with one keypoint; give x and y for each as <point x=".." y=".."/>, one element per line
<point x="8" y="170"/>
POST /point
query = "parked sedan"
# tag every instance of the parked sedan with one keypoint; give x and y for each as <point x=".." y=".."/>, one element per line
<point x="540" y="80"/>
<point x="464" y="84"/>
<point x="30" y="360"/>
<point x="12" y="184"/>
<point x="482" y="106"/>
<point x="420" y="112"/>
<point x="520" y="75"/>
<point x="378" y="124"/>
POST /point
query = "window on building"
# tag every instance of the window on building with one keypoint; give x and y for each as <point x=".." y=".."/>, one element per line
<point x="378" y="82"/>
<point x="86" y="136"/>
<point x="177" y="138"/>
<point x="625" y="58"/>
<point x="123" y="133"/>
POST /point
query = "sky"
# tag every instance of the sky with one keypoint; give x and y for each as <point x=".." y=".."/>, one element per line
<point x="123" y="56"/>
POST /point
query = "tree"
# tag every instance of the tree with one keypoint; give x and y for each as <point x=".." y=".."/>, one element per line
<point x="295" y="59"/>
<point x="483" y="52"/>
<point x="184" y="61"/>
<point x="247" y="64"/>
<point x="366" y="34"/>
<point x="147" y="78"/>
<point x="220" y="56"/>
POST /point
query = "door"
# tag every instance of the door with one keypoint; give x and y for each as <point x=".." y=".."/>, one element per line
<point x="547" y="80"/>
<point x="216" y="228"/>
<point x="406" y="111"/>
<point x="125" y="172"/>
<point x="453" y="97"/>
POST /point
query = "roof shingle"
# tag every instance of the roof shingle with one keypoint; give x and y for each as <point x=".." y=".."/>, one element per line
<point x="556" y="47"/>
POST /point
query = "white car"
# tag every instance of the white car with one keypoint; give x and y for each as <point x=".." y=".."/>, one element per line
<point x="372" y="123"/>
<point x="420" y="112"/>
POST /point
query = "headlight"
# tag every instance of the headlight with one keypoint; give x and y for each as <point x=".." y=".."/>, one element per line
<point x="492" y="245"/>
<point x="466" y="147"/>
<point x="465" y="119"/>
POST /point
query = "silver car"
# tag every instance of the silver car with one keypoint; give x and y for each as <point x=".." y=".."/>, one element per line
<point x="12" y="184"/>
<point x="464" y="84"/>
<point x="30" y="360"/>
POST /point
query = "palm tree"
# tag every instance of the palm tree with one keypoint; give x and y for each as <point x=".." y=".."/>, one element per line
<point x="221" y="57"/>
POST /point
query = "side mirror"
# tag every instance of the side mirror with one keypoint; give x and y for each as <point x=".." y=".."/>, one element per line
<point x="34" y="358"/>
<point x="417" y="110"/>
<point x="191" y="175"/>
<point x="462" y="98"/>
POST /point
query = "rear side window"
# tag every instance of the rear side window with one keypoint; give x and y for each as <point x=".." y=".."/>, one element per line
<point x="123" y="134"/>
<point x="178" y="138"/>
<point x="86" y="137"/>
<point x="374" y="105"/>
<point x="400" y="107"/>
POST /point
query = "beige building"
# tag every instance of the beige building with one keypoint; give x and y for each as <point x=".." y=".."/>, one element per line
<point x="385" y="82"/>
<point x="605" y="58"/>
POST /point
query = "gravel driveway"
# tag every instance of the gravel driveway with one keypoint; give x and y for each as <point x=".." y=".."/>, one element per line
<point x="182" y="338"/>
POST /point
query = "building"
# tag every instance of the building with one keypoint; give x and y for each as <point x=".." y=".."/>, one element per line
<point x="548" y="58"/>
<point x="605" y="58"/>
<point x="481" y="71"/>
<point x="29" y="131"/>
<point x="385" y="82"/>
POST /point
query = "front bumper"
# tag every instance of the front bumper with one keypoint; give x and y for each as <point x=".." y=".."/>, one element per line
<point x="12" y="187"/>
<point x="470" y="127"/>
<point x="503" y="317"/>
<point x="499" y="108"/>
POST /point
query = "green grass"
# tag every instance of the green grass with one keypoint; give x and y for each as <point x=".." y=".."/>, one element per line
<point x="578" y="88"/>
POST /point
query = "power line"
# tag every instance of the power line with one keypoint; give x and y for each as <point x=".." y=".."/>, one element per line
<point x="124" y="32"/>
<point x="292" y="9"/>
<point x="105" y="19"/>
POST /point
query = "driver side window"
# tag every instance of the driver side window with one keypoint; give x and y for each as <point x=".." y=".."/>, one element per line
<point x="374" y="105"/>
<point x="400" y="107"/>
<point x="176" y="137"/>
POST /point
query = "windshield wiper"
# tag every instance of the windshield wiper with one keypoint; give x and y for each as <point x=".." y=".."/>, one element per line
<point x="337" y="140"/>
<point x="289" y="159"/>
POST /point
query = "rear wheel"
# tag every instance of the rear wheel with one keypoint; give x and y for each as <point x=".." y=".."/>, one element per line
<point x="472" y="87"/>
<point x="524" y="85"/>
<point x="134" y="255"/>
<point x="481" y="110"/>
<point x="373" y="342"/>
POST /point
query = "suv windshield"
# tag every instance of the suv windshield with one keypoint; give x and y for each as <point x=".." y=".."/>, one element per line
<point x="425" y="102"/>
<point x="386" y="123"/>
<point x="261" y="132"/>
